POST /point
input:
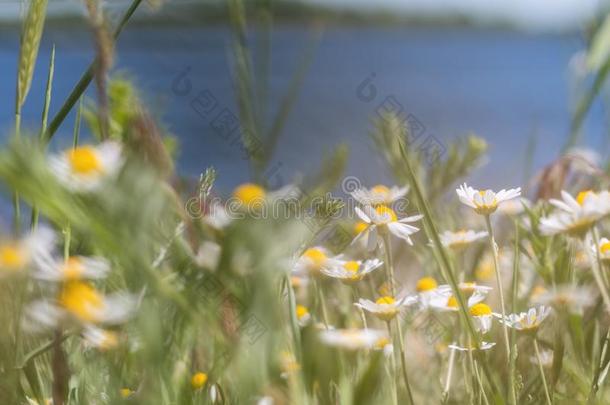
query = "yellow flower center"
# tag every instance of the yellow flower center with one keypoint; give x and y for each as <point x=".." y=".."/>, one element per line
<point x="604" y="248"/>
<point x="11" y="257"/>
<point x="109" y="340"/>
<point x="360" y="227"/>
<point x="537" y="291"/>
<point x="380" y="189"/>
<point x="580" y="198"/>
<point x="316" y="256"/>
<point x="73" y="268"/>
<point x="81" y="300"/>
<point x="249" y="193"/>
<point x="352" y="266"/>
<point x="484" y="208"/>
<point x="288" y="362"/>
<point x="387" y="212"/>
<point x="382" y="342"/>
<point x="198" y="380"/>
<point x="426" y="284"/>
<point x="468" y="287"/>
<point x="296" y="281"/>
<point x="386" y="300"/>
<point x="452" y="302"/>
<point x="125" y="392"/>
<point x="301" y="311"/>
<point x="480" y="309"/>
<point x="84" y="160"/>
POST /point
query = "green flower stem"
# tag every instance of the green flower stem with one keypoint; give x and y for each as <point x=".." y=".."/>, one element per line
<point x="393" y="367"/>
<point x="322" y="302"/>
<point x="449" y="375"/>
<point x="399" y="337"/>
<point x="546" y="387"/>
<point x="494" y="250"/>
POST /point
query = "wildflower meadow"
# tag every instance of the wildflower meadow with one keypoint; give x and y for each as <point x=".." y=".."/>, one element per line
<point x="124" y="282"/>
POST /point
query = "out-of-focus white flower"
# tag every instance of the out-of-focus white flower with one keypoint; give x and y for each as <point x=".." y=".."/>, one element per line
<point x="100" y="338"/>
<point x="350" y="271"/>
<point x="379" y="195"/>
<point x="604" y="249"/>
<point x="384" y="344"/>
<point x="303" y="316"/>
<point x="208" y="255"/>
<point x="385" y="308"/>
<point x="546" y="358"/>
<point x="460" y="239"/>
<point x="482" y="315"/>
<point x="217" y="217"/>
<point x="253" y="197"/>
<point x="426" y="289"/>
<point x="311" y="262"/>
<point x="445" y="301"/>
<point x="526" y="321"/>
<point x="467" y="288"/>
<point x="265" y="401"/>
<point x="578" y="214"/>
<point x="514" y="207"/>
<point x="84" y="168"/>
<point x="384" y="218"/>
<point x="484" y="346"/>
<point x="16" y="255"/>
<point x="74" y="268"/>
<point x="573" y="298"/>
<point x="485" y="202"/>
<point x="79" y="302"/>
<point x="352" y="339"/>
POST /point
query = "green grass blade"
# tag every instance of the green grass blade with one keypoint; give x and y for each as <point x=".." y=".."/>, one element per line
<point x="85" y="79"/>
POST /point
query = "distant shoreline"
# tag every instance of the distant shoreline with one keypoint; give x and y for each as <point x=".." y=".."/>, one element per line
<point x="284" y="12"/>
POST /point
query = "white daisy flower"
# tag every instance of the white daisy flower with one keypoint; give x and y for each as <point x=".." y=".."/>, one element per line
<point x="604" y="249"/>
<point x="252" y="197"/>
<point x="311" y="262"/>
<point x="385" y="217"/>
<point x="546" y="358"/>
<point x="467" y="288"/>
<point x="16" y="255"/>
<point x="485" y="202"/>
<point x="385" y="308"/>
<point x="426" y="288"/>
<point x="460" y="239"/>
<point x="445" y="301"/>
<point x="379" y="195"/>
<point x="482" y="315"/>
<point x="527" y="321"/>
<point x="218" y="217"/>
<point x="84" y="168"/>
<point x="100" y="338"/>
<point x="384" y="343"/>
<point x="79" y="302"/>
<point x="573" y="298"/>
<point x="352" y="339"/>
<point x="75" y="268"/>
<point x="514" y="207"/>
<point x="484" y="346"/>
<point x="578" y="214"/>
<point x="303" y="316"/>
<point x="208" y="255"/>
<point x="350" y="271"/>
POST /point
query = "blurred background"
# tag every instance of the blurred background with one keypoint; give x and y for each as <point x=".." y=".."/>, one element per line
<point x="510" y="72"/>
